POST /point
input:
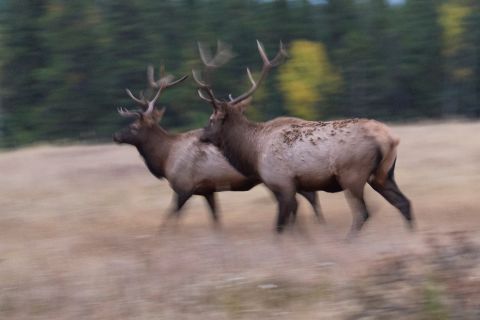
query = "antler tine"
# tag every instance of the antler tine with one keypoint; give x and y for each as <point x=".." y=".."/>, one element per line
<point x="141" y="101"/>
<point x="205" y="54"/>
<point x="162" y="70"/>
<point x="203" y="86"/>
<point x="171" y="84"/>
<point x="267" y="65"/>
<point x="151" y="103"/>
<point x="142" y="97"/>
<point x="200" y="94"/>
<point x="223" y="55"/>
<point x="261" y="50"/>
<point x="148" y="106"/>
<point x="124" y="112"/>
<point x="164" y="81"/>
<point x="196" y="78"/>
<point x="150" y="77"/>
<point x="281" y="55"/>
<point x="250" y="77"/>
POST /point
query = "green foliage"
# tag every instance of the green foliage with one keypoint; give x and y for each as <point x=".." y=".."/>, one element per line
<point x="452" y="17"/>
<point x="23" y="55"/>
<point x="64" y="64"/>
<point x="460" y="56"/>
<point x="433" y="305"/>
<point x="307" y="79"/>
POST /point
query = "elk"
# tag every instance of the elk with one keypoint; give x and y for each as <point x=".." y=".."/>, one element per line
<point x="289" y="154"/>
<point x="190" y="166"/>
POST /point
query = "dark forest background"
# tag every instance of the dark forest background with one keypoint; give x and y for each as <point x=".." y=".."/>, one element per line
<point x="64" y="64"/>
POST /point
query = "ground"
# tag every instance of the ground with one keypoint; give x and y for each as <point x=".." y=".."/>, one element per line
<point x="80" y="238"/>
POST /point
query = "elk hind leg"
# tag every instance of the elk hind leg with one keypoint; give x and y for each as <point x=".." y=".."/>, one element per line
<point x="390" y="191"/>
<point x="359" y="210"/>
<point x="312" y="198"/>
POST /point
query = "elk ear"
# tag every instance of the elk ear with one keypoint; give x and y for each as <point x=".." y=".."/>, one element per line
<point x="158" y="114"/>
<point x="243" y="105"/>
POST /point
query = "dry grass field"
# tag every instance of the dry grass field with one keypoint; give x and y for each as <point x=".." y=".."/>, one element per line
<point x="80" y="239"/>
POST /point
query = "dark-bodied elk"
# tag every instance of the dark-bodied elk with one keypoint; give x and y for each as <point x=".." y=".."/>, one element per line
<point x="289" y="154"/>
<point x="190" y="166"/>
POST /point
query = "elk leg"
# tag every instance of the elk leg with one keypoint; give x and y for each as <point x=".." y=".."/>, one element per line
<point x="392" y="194"/>
<point x="312" y="197"/>
<point x="286" y="204"/>
<point x="213" y="206"/>
<point x="293" y="217"/>
<point x="359" y="211"/>
<point x="179" y="201"/>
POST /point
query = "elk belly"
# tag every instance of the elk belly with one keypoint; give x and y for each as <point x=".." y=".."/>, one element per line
<point x="314" y="183"/>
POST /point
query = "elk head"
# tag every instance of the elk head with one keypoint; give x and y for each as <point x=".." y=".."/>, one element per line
<point x="146" y="119"/>
<point x="233" y="107"/>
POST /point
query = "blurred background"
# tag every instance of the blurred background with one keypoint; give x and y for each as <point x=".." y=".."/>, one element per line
<point x="64" y="64"/>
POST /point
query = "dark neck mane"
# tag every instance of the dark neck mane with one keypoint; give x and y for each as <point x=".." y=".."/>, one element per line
<point x="239" y="144"/>
<point x="155" y="150"/>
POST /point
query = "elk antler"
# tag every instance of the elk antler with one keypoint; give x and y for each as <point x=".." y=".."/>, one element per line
<point x="165" y="81"/>
<point x="148" y="105"/>
<point x="223" y="55"/>
<point x="210" y="63"/>
<point x="124" y="112"/>
<point x="141" y="102"/>
<point x="203" y="86"/>
<point x="267" y="65"/>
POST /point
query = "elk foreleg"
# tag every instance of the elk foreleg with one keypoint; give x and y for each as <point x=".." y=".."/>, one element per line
<point x="179" y="201"/>
<point x="286" y="204"/>
<point x="213" y="206"/>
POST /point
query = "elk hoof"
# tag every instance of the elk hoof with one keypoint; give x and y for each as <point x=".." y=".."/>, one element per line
<point x="411" y="226"/>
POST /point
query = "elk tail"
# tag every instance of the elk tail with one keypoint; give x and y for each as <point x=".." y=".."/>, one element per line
<point x="389" y="154"/>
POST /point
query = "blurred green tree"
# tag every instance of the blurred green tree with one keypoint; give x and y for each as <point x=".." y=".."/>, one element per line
<point x="459" y="93"/>
<point x="64" y="64"/>
<point x="23" y="55"/>
<point x="72" y="74"/>
<point x="419" y="77"/>
<point x="307" y="79"/>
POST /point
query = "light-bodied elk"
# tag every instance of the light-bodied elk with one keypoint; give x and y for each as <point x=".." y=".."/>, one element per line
<point x="190" y="166"/>
<point x="289" y="154"/>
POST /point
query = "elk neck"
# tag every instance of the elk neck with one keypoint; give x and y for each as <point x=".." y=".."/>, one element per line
<point x="239" y="144"/>
<point x="156" y="149"/>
